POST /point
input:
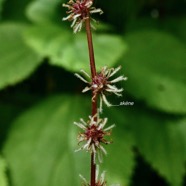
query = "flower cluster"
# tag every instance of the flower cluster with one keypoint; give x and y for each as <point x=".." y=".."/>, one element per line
<point x="79" y="11"/>
<point x="101" y="84"/>
<point x="93" y="135"/>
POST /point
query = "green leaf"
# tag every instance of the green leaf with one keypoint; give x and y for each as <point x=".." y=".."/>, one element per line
<point x="3" y="178"/>
<point x="159" y="138"/>
<point x="49" y="43"/>
<point x="70" y="51"/>
<point x="45" y="144"/>
<point x="43" y="11"/>
<point x="40" y="147"/>
<point x="17" y="60"/>
<point x="156" y="66"/>
<point x="161" y="141"/>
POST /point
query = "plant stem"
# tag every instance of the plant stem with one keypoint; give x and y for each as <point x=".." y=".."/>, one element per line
<point x="90" y="48"/>
<point x="94" y="102"/>
<point x="93" y="171"/>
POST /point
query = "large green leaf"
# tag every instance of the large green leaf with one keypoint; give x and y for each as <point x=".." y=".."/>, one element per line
<point x="40" y="147"/>
<point x="156" y="66"/>
<point x="43" y="11"/>
<point x="70" y="51"/>
<point x="160" y="139"/>
<point x="162" y="144"/>
<point x="3" y="178"/>
<point x="17" y="60"/>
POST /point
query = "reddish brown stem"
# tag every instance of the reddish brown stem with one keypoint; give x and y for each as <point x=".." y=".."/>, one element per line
<point x="94" y="102"/>
<point x="93" y="171"/>
<point x="90" y="48"/>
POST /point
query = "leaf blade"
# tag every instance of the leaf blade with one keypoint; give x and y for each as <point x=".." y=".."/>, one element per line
<point x="156" y="67"/>
<point x="17" y="61"/>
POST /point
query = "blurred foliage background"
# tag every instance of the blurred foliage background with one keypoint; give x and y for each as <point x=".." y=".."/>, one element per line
<point x="40" y="97"/>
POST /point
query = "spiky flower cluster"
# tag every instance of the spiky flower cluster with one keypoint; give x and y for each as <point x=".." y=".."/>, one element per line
<point x="79" y="11"/>
<point x="101" y="84"/>
<point x="93" y="135"/>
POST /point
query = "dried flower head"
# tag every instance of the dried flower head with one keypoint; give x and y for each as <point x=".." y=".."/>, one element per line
<point x="102" y="84"/>
<point x="93" y="135"/>
<point x="99" y="181"/>
<point x="79" y="11"/>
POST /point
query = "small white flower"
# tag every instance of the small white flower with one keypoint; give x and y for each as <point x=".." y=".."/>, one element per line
<point x="93" y="135"/>
<point x="79" y="11"/>
<point x="102" y="84"/>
